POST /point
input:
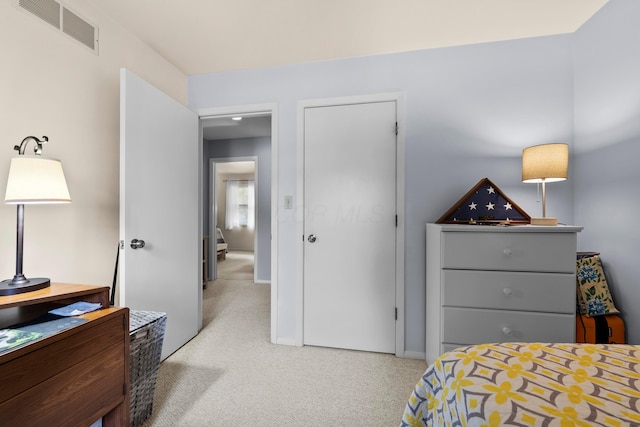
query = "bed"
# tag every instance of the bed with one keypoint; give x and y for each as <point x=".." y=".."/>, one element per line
<point x="221" y="245"/>
<point x="529" y="384"/>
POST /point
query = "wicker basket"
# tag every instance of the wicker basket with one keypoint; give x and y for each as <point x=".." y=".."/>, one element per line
<point x="146" y="329"/>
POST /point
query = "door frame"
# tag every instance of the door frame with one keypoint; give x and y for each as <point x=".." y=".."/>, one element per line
<point x="271" y="108"/>
<point x="399" y="98"/>
<point x="213" y="207"/>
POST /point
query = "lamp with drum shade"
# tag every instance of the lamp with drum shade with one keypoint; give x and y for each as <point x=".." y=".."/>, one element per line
<point x="33" y="179"/>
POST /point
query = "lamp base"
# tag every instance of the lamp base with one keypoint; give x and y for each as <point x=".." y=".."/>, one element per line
<point x="12" y="287"/>
<point x="544" y="221"/>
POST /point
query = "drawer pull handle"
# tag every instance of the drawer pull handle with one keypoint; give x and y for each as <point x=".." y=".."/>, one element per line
<point x="507" y="331"/>
<point x="507" y="291"/>
<point x="507" y="252"/>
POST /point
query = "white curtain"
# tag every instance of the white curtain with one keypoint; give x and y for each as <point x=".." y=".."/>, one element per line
<point x="232" y="215"/>
<point x="240" y="210"/>
<point x="251" y="202"/>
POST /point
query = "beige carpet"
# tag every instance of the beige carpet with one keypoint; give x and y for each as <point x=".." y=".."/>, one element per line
<point x="231" y="375"/>
<point x="238" y="265"/>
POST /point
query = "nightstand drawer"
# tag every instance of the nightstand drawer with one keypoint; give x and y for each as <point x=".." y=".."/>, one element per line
<point x="506" y="290"/>
<point x="547" y="252"/>
<point x="475" y="326"/>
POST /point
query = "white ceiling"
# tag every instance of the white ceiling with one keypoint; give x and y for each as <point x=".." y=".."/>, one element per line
<point x="201" y="36"/>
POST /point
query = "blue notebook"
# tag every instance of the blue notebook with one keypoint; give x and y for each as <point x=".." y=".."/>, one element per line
<point x="76" y="309"/>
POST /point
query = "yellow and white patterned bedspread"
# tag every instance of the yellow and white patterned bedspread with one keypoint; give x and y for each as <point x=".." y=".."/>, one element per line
<point x="529" y="384"/>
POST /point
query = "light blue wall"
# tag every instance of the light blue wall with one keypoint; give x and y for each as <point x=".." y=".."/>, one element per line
<point x="245" y="147"/>
<point x="607" y="147"/>
<point x="470" y="111"/>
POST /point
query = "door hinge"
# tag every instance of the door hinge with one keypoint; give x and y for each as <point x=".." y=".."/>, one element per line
<point x="396" y="128"/>
<point x="396" y="221"/>
<point x="396" y="313"/>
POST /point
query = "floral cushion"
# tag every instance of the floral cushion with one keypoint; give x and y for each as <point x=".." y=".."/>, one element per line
<point x="594" y="297"/>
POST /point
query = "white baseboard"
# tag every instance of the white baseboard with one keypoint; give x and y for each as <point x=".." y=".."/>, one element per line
<point x="414" y="355"/>
<point x="264" y="282"/>
<point x="286" y="341"/>
<point x="406" y="355"/>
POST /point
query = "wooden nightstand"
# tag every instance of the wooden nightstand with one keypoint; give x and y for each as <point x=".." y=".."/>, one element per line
<point x="73" y="377"/>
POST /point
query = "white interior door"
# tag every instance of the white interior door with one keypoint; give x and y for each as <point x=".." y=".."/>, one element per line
<point x="160" y="204"/>
<point x="350" y="226"/>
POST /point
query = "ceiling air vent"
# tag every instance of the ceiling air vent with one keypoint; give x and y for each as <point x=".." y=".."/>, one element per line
<point x="79" y="29"/>
<point x="47" y="10"/>
<point x="63" y="19"/>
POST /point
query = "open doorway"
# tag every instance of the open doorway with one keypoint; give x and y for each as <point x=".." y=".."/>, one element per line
<point x="235" y="217"/>
<point x="256" y="134"/>
<point x="233" y="143"/>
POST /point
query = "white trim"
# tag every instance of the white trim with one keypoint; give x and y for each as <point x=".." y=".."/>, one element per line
<point x="399" y="99"/>
<point x="419" y="355"/>
<point x="400" y="232"/>
<point x="286" y="341"/>
<point x="299" y="329"/>
<point x="271" y="108"/>
<point x="201" y="225"/>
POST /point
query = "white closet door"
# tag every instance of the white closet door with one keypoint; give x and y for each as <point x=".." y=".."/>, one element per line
<point x="350" y="226"/>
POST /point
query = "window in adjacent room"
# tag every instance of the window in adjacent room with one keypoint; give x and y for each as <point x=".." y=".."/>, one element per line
<point x="240" y="204"/>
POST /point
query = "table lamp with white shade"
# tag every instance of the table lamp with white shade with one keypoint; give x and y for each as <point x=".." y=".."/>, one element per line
<point x="541" y="164"/>
<point x="33" y="179"/>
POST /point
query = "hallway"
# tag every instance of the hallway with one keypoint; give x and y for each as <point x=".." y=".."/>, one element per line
<point x="237" y="265"/>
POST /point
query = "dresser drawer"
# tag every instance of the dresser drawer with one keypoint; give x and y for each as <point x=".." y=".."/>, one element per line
<point x="476" y="326"/>
<point x="506" y="290"/>
<point x="547" y="252"/>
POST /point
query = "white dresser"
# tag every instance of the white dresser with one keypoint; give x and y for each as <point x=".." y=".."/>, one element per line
<point x="497" y="284"/>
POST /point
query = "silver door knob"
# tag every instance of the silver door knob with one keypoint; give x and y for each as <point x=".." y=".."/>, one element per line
<point x="311" y="238"/>
<point x="137" y="244"/>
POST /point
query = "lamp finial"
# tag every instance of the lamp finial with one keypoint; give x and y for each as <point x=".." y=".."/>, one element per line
<point x="37" y="149"/>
